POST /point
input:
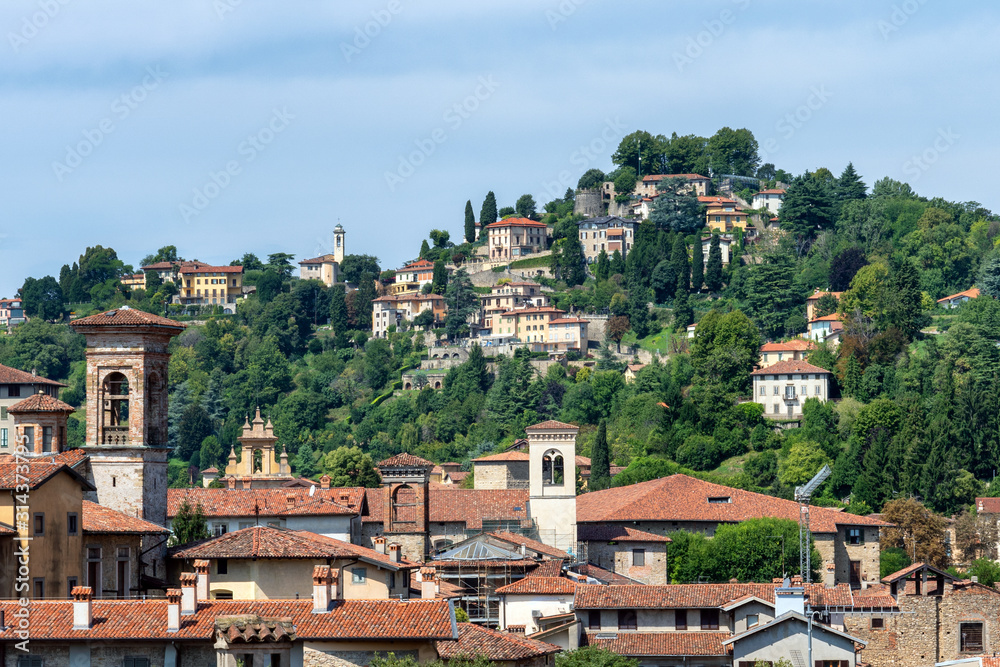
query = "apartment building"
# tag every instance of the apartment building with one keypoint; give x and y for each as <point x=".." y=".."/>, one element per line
<point x="514" y="238"/>
<point x="609" y="233"/>
<point x="204" y="285"/>
<point x="783" y="387"/>
<point x="391" y="310"/>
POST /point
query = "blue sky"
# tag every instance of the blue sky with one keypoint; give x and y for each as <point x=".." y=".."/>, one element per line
<point x="230" y="126"/>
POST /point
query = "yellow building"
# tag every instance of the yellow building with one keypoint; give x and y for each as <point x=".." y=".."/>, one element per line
<point x="725" y="217"/>
<point x="203" y="285"/>
<point x="265" y="562"/>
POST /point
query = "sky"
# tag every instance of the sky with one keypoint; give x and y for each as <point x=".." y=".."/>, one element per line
<point x="230" y="126"/>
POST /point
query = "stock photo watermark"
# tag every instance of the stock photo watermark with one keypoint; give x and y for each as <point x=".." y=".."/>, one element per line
<point x="917" y="165"/>
<point x="32" y="24"/>
<point x="454" y="117"/>
<point x="900" y="16"/>
<point x="22" y="517"/>
<point x="795" y="120"/>
<point x="248" y="150"/>
<point x="703" y="40"/>
<point x="121" y="108"/>
<point x="364" y="34"/>
<point x="562" y="12"/>
<point x="584" y="157"/>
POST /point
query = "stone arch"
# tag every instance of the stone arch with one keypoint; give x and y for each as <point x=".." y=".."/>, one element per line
<point x="407" y="386"/>
<point x="437" y="384"/>
<point x="553" y="467"/>
<point x="404" y="504"/>
<point x="115" y="409"/>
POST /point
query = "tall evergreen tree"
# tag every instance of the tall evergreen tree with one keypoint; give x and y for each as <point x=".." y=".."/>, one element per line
<point x="338" y="309"/>
<point x="697" y="266"/>
<point x="664" y="281"/>
<point x="905" y="311"/>
<point x="439" y="281"/>
<point x="600" y="460"/>
<point x="425" y="249"/>
<point x="638" y="311"/>
<point x="617" y="264"/>
<point x="462" y="302"/>
<point x="850" y="186"/>
<point x="304" y="462"/>
<point x="488" y="214"/>
<point x="190" y="524"/>
<point x="852" y="377"/>
<point x="602" y="269"/>
<point x="713" y="272"/>
<point x="470" y="223"/>
<point x="808" y="208"/>
<point x="363" y="301"/>
<point x="679" y="260"/>
<point x="683" y="313"/>
<point x="570" y="261"/>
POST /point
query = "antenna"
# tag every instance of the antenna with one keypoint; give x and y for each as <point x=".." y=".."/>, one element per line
<point x="803" y="494"/>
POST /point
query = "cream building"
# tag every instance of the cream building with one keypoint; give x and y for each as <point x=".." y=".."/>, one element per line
<point x="609" y="234"/>
<point x="783" y="387"/>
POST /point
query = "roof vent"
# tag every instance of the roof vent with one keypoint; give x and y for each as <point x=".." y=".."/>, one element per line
<point x="720" y="499"/>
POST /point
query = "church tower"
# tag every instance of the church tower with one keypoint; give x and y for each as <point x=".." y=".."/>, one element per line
<point x="406" y="504"/>
<point x="126" y="437"/>
<point x="552" y="482"/>
<point x="338" y="244"/>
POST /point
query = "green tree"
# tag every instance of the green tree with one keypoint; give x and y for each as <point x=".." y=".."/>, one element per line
<point x="305" y="462"/>
<point x="687" y="154"/>
<point x="892" y="560"/>
<point x="733" y="152"/>
<point x="211" y="453"/>
<point x="697" y="266"/>
<point x="642" y="152"/>
<point x="439" y="282"/>
<point x="988" y="280"/>
<point x="567" y="261"/>
<point x="195" y="426"/>
<point x="167" y="253"/>
<point x="488" y="213"/>
<point x="525" y="206"/>
<point x="850" y="186"/>
<point x="683" y="313"/>
<point x="43" y="298"/>
<point x="617" y="266"/>
<point x="189" y="525"/>
<point x="679" y="260"/>
<point x="602" y="268"/>
<point x="725" y="350"/>
<point x="916" y="530"/>
<point x="378" y="362"/>
<point x="807" y="209"/>
<point x="591" y="179"/>
<point x="269" y="285"/>
<point x="425" y="249"/>
<point x="752" y="550"/>
<point x="462" y="303"/>
<point x="638" y="311"/>
<point x="349" y="466"/>
<point x="355" y="266"/>
<point x="804" y="460"/>
<point x="676" y="207"/>
<point x="338" y="309"/>
<point x="600" y="460"/>
<point x="771" y="294"/>
<point x="249" y="262"/>
<point x="470" y="223"/>
<point x="440" y="238"/>
<point x="363" y="298"/>
<point x="593" y="656"/>
<point x="625" y="183"/>
<point x="713" y="272"/>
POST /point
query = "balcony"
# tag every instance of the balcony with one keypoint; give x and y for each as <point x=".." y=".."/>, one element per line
<point x="115" y="435"/>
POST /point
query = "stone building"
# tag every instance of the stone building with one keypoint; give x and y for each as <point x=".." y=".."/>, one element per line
<point x="626" y="551"/>
<point x="40" y="424"/>
<point x="608" y="233"/>
<point x="15" y="386"/>
<point x="783" y="387"/>
<point x="126" y="436"/>
<point x="326" y="268"/>
<point x="514" y="238"/>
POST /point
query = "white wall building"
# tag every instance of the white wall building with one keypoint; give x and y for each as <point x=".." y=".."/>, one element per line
<point x="769" y="199"/>
<point x="784" y="387"/>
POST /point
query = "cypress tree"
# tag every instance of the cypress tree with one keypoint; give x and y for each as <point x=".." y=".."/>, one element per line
<point x="617" y="264"/>
<point x="602" y="271"/>
<point x="338" y="309"/>
<point x="488" y="214"/>
<point x="363" y="301"/>
<point x="679" y="259"/>
<point x="697" y="266"/>
<point x="713" y="273"/>
<point x="439" y="282"/>
<point x="600" y="460"/>
<point x="850" y="186"/>
<point x="470" y="223"/>
<point x="683" y="313"/>
<point x="425" y="249"/>
<point x="852" y="376"/>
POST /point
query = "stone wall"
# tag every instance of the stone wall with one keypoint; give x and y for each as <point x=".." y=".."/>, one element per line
<point x="618" y="558"/>
<point x="501" y="475"/>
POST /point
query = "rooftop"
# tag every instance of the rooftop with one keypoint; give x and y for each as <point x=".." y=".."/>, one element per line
<point x="10" y="375"/>
<point x="793" y="345"/>
<point x="126" y="317"/>
<point x="98" y="519"/>
<point x="267" y="502"/>
<point x="404" y="460"/>
<point x="40" y="403"/>
<point x="493" y="644"/>
<point x="972" y="293"/>
<point x="693" y="643"/>
<point x="539" y="586"/>
<point x="611" y="533"/>
<point x="516" y="222"/>
<point x="790" y="367"/>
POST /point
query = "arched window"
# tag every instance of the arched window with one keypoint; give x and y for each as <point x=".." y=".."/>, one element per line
<point x="115" y="397"/>
<point x="404" y="504"/>
<point x="552" y="467"/>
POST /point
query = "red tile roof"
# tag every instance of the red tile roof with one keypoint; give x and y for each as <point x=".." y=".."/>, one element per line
<point x="208" y="268"/>
<point x="660" y="177"/>
<point x="819" y="293"/>
<point x="673" y="643"/>
<point x="503" y="456"/>
<point x="405" y="460"/>
<point x="266" y="502"/>
<point x="605" y="576"/>
<point x="772" y="191"/>
<point x="104" y="520"/>
<point x="52" y="620"/>
<point x="468" y="506"/>
<point x="10" y="375"/>
<point x="71" y="457"/>
<point x="529" y="543"/>
<point x="552" y="425"/>
<point x="569" y="320"/>
<point x="322" y="259"/>
<point x="832" y="317"/>
<point x="539" y="586"/>
<point x="988" y="505"/>
<point x="262" y="542"/>
<point x="40" y="403"/>
<point x="39" y="472"/>
<point x="683" y="498"/>
<point x="793" y="345"/>
<point x="548" y="568"/>
<point x="972" y="293"/>
<point x="516" y="222"/>
<point x="126" y="317"/>
<point x="475" y="640"/>
<point x="790" y="367"/>
<point x="611" y="533"/>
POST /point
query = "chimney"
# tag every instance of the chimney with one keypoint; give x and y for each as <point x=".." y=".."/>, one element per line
<point x="246" y="482"/>
<point x="201" y="570"/>
<point x="324" y="482"/>
<point x="173" y="610"/>
<point x="395" y="553"/>
<point x="83" y="607"/>
<point x="790" y="597"/>
<point x="322" y="589"/>
<point x="289" y="501"/>
<point x="379" y="544"/>
<point x="189" y="593"/>
<point x="231" y="482"/>
<point x="428" y="589"/>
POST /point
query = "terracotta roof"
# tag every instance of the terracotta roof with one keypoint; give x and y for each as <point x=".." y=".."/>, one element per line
<point x="534" y="545"/>
<point x="475" y="640"/>
<point x="419" y="264"/>
<point x="548" y="568"/>
<point x="793" y="345"/>
<point x="104" y="520"/>
<point x="818" y="293"/>
<point x="916" y="567"/>
<point x="404" y="460"/>
<point x="52" y="620"/>
<point x="772" y="191"/>
<point x="270" y="542"/>
<point x="126" y="317"/>
<point x="790" y="367"/>
<point x="410" y="297"/>
<point x="683" y="498"/>
<point x="40" y="403"/>
<point x="552" y="425"/>
<point x="322" y="259"/>
<point x="528" y="311"/>
<point x="972" y="293"/>
<point x="539" y="586"/>
<point x="457" y="476"/>
<point x="516" y="222"/>
<point x="988" y="505"/>
<point x="208" y="268"/>
<point x="503" y="456"/>
<point x="569" y="320"/>
<point x="832" y="317"/>
<point x="611" y="533"/>
<point x="449" y="504"/>
<point x="605" y="576"/>
<point x="71" y="457"/>
<point x="40" y="470"/>
<point x="10" y="375"/>
<point x="694" y="643"/>
<point x="266" y="502"/>
<point x="660" y="177"/>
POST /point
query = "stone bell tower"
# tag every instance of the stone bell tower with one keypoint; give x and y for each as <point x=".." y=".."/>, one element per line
<point x="338" y="244"/>
<point x="126" y="438"/>
<point x="259" y="466"/>
<point x="552" y="482"/>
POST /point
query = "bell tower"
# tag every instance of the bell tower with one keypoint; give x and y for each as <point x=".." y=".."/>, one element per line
<point x="338" y="244"/>
<point x="126" y="437"/>
<point x="552" y="482"/>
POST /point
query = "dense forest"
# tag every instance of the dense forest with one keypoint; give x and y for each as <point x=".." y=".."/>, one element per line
<point x="918" y="387"/>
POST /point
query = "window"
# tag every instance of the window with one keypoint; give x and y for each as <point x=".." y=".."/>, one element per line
<point x="3" y="437"/>
<point x="639" y="557"/>
<point x="29" y="438"/>
<point x="46" y="438"/>
<point x="818" y="391"/>
<point x="359" y="575"/>
<point x="789" y="393"/>
<point x="878" y="623"/>
<point x="709" y="619"/>
<point x="223" y="595"/>
<point x="13" y="390"/>
<point x="681" y="619"/>
<point x="220" y="529"/>
<point x="855" y="536"/>
<point x="971" y="637"/>
<point x="72" y="524"/>
<point x="627" y="619"/>
<point x="777" y="408"/>
<point x="763" y="390"/>
<point x="71" y="583"/>
<point x="752" y="620"/>
<point x="39" y="589"/>
<point x="135" y="662"/>
<point x="392" y="580"/>
<point x="29" y="661"/>
<point x="39" y="524"/>
<point x="777" y="390"/>
<point x="594" y="619"/>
